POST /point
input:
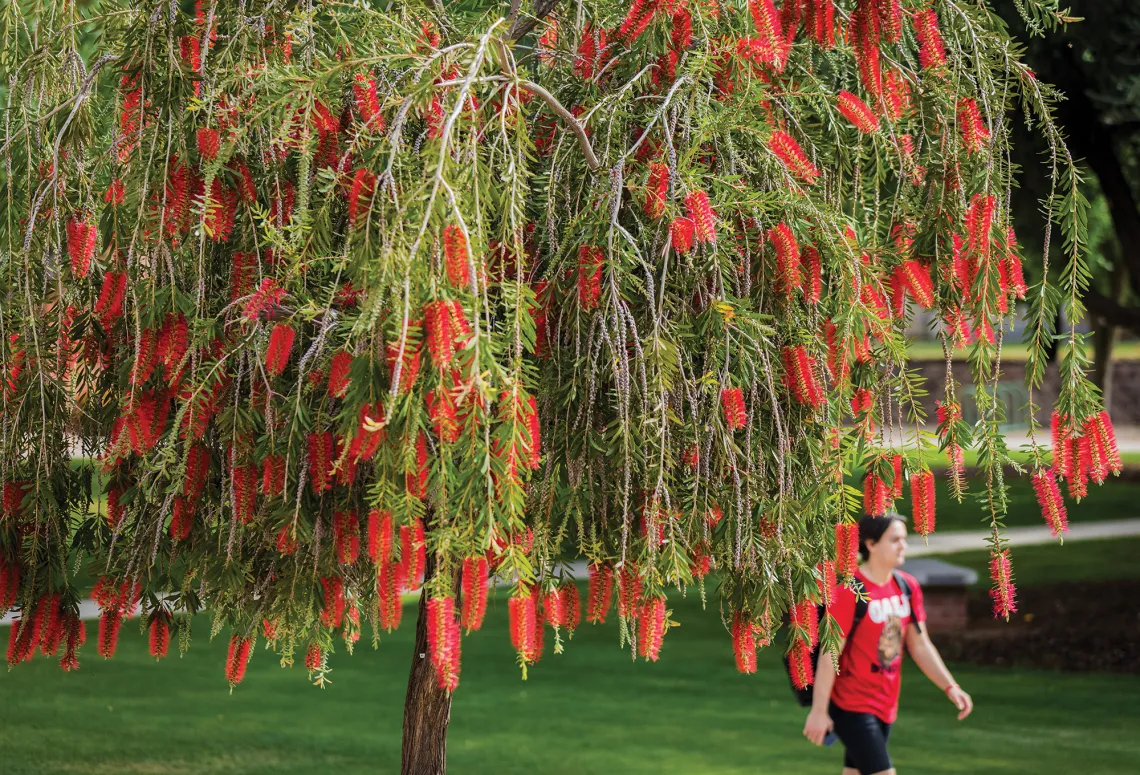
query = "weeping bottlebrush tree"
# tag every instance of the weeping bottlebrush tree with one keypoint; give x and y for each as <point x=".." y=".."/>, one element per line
<point x="338" y="302"/>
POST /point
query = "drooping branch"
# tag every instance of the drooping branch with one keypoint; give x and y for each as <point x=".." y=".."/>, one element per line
<point x="520" y="27"/>
<point x="569" y="118"/>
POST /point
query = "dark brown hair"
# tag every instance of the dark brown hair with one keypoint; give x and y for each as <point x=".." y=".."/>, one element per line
<point x="872" y="529"/>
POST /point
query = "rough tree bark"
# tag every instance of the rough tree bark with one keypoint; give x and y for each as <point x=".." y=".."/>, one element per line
<point x="427" y="708"/>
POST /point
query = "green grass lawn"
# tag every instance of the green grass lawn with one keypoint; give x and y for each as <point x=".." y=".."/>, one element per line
<point x="589" y="710"/>
<point x="1104" y="560"/>
<point x="1012" y="350"/>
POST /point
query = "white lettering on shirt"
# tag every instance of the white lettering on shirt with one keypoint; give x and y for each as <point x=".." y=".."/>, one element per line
<point x="883" y="608"/>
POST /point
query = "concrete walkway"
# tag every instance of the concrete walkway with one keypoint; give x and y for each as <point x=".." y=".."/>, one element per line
<point x="939" y="543"/>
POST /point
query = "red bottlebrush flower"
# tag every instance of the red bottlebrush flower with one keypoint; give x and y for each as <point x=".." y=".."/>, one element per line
<point x="828" y="583"/>
<point x="475" y="575"/>
<point x="875" y="495"/>
<point x="273" y="476"/>
<point x="21" y="641"/>
<point x="864" y="35"/>
<point x="805" y="619"/>
<point x="788" y="274"/>
<point x="931" y="50"/>
<point x="820" y="22"/>
<point x="896" y="95"/>
<point x="9" y="585"/>
<point x="1011" y="263"/>
<point x="700" y="565"/>
<point x="81" y="237"/>
<point x="446" y="329"/>
<point x="388" y="594"/>
<point x="681" y="34"/>
<point x="592" y="56"/>
<point x="332" y="610"/>
<point x="114" y="507"/>
<point x="523" y="623"/>
<point x="109" y="307"/>
<point x="769" y="28"/>
<point x="416" y="481"/>
<point x="209" y="143"/>
<point x="410" y="365"/>
<point x="744" y="642"/>
<point x="571" y="606"/>
<point x="1062" y="449"/>
<point x="246" y="187"/>
<point x="279" y="349"/>
<point x="922" y="498"/>
<point x="221" y="209"/>
<point x="281" y="203"/>
<point x="814" y="290"/>
<point x="182" y="520"/>
<point x="367" y="102"/>
<point x="590" y="260"/>
<point x="338" y="374"/>
<point x="799" y="663"/>
<point x="237" y="658"/>
<point x="443" y="641"/>
<point x="442" y="411"/>
<point x="890" y="19"/>
<point x="269" y="629"/>
<point x="1003" y="593"/>
<point x="919" y="282"/>
<point x="456" y="259"/>
<point x="703" y="216"/>
<point x="714" y="516"/>
<point x="788" y="151"/>
<point x="682" y="232"/>
<point x="1099" y="428"/>
<point x="1049" y="498"/>
<point x="379" y="536"/>
<point x="50" y="617"/>
<point x="314" y="658"/>
<point x="897" y="469"/>
<point x="553" y="612"/>
<point x="691" y="457"/>
<point x="245" y="492"/>
<point x="74" y="636"/>
<point x="267" y="296"/>
<point x="846" y="549"/>
<point x="857" y="112"/>
<point x="360" y="197"/>
<point x="243" y="266"/>
<point x="800" y="377"/>
<point x="636" y="20"/>
<point x="159" y="636"/>
<point x="979" y="223"/>
<point x="651" y="628"/>
<point x="346" y="536"/>
<point x="629" y="591"/>
<point x="413" y="554"/>
<point x="732" y="403"/>
<point x="657" y="189"/>
<point x="320" y="461"/>
<point x="600" y="593"/>
<point x="973" y="129"/>
<point x="109" y="624"/>
<point x="13" y="500"/>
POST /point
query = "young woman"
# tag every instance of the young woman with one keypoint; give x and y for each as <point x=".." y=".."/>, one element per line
<point x="860" y="704"/>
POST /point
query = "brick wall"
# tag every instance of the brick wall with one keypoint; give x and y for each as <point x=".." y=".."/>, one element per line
<point x="1125" y="397"/>
<point x="945" y="608"/>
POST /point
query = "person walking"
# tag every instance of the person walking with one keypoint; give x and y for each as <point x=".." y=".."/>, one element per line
<point x="860" y="704"/>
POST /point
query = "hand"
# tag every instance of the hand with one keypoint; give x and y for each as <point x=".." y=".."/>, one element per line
<point x="817" y="726"/>
<point x="961" y="700"/>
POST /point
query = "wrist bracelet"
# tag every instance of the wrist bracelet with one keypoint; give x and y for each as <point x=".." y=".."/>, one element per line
<point x="951" y="686"/>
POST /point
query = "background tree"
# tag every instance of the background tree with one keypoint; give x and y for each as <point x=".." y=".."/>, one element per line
<point x="339" y="301"/>
<point x="1093" y="62"/>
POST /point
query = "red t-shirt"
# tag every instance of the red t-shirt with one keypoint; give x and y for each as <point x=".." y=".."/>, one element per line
<point x="870" y="668"/>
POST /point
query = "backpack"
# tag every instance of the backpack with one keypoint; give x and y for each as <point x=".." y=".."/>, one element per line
<point x="804" y="696"/>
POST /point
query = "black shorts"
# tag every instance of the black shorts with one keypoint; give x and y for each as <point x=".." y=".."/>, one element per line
<point x="864" y="735"/>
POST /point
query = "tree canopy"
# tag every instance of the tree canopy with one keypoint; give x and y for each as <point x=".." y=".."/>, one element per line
<point x="336" y="299"/>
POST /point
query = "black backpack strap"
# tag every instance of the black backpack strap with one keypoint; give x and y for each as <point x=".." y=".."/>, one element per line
<point x="860" y="610"/>
<point x="904" y="585"/>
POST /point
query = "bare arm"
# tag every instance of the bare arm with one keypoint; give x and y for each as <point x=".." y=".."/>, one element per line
<point x="818" y="722"/>
<point x="930" y="662"/>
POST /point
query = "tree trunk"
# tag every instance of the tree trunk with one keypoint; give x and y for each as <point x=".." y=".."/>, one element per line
<point x="1104" y="339"/>
<point x="427" y="708"/>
